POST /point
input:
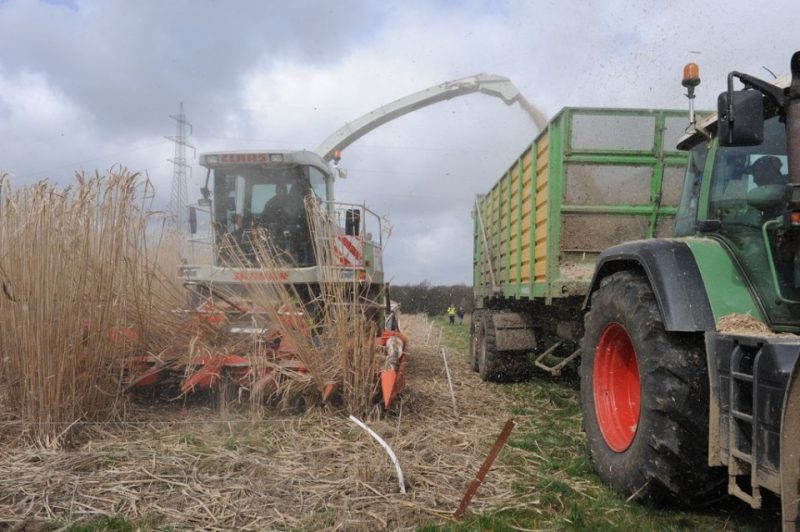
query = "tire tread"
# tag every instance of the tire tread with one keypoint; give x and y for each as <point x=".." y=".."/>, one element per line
<point x="667" y="461"/>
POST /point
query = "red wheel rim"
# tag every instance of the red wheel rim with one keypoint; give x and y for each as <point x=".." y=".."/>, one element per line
<point x="616" y="387"/>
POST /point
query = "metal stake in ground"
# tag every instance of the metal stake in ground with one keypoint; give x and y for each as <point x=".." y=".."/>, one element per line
<point x="449" y="383"/>
<point x="487" y="463"/>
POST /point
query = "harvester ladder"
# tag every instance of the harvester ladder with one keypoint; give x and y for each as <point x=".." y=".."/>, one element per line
<point x="743" y="422"/>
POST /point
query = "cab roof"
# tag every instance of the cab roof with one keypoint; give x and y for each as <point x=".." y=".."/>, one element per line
<point x="249" y="158"/>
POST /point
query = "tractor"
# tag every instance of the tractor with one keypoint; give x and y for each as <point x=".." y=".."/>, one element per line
<point x="689" y="377"/>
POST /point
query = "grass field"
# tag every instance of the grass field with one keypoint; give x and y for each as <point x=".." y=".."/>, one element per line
<point x="189" y="467"/>
<point x="554" y="470"/>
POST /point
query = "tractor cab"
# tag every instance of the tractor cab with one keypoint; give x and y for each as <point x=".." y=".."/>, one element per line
<point x="736" y="193"/>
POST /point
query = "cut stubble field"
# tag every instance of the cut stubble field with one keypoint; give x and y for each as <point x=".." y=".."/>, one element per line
<point x="191" y="466"/>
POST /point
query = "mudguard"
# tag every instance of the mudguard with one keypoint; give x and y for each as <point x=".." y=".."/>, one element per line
<point x="672" y="270"/>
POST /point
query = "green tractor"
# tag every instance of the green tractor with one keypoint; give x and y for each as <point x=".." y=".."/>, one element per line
<point x="689" y="376"/>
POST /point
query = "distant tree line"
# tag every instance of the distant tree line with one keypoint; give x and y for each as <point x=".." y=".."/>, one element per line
<point x="431" y="300"/>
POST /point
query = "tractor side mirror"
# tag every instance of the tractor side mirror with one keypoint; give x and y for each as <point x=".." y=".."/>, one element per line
<point x="741" y="118"/>
<point x="192" y="220"/>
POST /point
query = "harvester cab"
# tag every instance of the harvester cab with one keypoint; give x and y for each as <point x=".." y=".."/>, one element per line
<point x="268" y="194"/>
<point x="268" y="190"/>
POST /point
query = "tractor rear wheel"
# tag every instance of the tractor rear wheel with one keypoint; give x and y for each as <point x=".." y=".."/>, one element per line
<point x="644" y="394"/>
<point x="475" y="338"/>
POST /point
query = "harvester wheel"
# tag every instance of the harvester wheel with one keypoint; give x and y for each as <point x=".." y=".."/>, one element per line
<point x="644" y="394"/>
<point x="475" y="338"/>
<point x="494" y="365"/>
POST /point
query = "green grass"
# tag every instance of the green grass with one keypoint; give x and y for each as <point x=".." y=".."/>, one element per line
<point x="555" y="475"/>
<point x="454" y="337"/>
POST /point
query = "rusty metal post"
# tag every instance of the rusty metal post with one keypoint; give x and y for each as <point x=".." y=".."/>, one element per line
<point x="487" y="463"/>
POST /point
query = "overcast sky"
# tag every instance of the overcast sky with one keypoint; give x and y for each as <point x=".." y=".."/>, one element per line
<point x="90" y="84"/>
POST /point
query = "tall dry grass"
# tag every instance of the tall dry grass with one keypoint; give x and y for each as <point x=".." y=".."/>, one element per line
<point x="348" y="321"/>
<point x="331" y="325"/>
<point x="88" y="286"/>
<point x="82" y="291"/>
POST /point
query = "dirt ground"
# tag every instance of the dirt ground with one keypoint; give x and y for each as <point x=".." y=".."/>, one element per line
<point x="194" y="466"/>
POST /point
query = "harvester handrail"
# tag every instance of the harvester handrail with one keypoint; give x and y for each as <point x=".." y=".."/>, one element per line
<point x="340" y="206"/>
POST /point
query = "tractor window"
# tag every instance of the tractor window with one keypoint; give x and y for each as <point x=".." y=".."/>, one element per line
<point x="687" y="212"/>
<point x="748" y="182"/>
<point x="747" y="190"/>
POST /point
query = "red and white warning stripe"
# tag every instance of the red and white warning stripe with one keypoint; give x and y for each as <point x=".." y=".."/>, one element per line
<point x="349" y="250"/>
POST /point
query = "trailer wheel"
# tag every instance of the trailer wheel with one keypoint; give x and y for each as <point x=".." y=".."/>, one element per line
<point x="475" y="338"/>
<point x="494" y="365"/>
<point x="644" y="394"/>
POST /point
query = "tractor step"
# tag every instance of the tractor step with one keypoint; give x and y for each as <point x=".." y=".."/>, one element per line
<point x="749" y="377"/>
<point x="742" y="416"/>
<point x="754" y="499"/>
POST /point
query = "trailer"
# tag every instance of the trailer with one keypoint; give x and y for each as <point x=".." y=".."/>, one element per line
<point x="591" y="179"/>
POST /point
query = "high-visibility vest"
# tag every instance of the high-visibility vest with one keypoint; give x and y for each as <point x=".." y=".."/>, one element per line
<point x="451" y="311"/>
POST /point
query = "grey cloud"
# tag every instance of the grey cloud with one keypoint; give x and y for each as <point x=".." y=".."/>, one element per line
<point x="128" y="63"/>
<point x="256" y="75"/>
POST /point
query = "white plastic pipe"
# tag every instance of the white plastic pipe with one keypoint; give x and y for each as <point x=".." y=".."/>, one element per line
<point x="389" y="451"/>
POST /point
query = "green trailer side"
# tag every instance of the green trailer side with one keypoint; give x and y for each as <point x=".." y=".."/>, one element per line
<point x="592" y="179"/>
<point x="592" y="190"/>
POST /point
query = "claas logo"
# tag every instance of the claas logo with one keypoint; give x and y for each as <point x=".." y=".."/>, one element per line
<point x="243" y="158"/>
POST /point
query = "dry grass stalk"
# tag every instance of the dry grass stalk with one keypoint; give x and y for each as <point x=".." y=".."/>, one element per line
<point x="331" y="325"/>
<point x="82" y="291"/>
<point x="190" y="467"/>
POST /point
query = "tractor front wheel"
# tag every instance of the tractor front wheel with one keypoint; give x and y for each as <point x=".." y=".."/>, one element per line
<point x="644" y="394"/>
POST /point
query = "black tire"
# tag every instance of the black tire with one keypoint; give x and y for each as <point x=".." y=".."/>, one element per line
<point x="665" y="463"/>
<point x="475" y="338"/>
<point x="494" y="365"/>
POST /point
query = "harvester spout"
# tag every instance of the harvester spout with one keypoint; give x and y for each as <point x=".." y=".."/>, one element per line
<point x="491" y="85"/>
